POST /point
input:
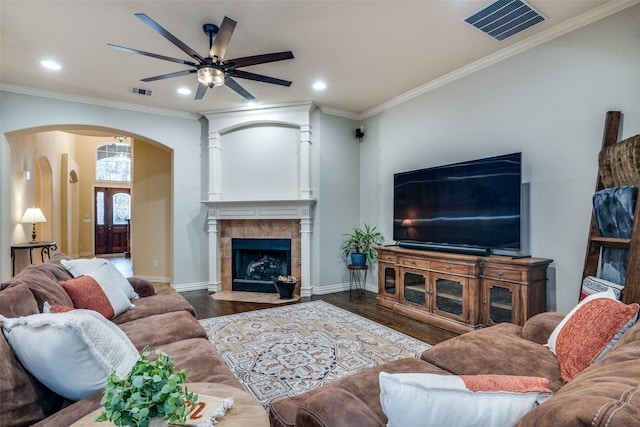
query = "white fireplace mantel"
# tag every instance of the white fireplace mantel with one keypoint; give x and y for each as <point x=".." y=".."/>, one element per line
<point x="257" y="209"/>
<point x="219" y="210"/>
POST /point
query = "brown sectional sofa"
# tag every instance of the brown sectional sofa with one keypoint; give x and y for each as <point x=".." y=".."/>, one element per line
<point x="162" y="320"/>
<point x="605" y="394"/>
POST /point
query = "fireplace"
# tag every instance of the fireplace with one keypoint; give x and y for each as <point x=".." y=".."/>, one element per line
<point x="256" y="263"/>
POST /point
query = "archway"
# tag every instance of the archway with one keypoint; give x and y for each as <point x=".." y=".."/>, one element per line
<point x="59" y="185"/>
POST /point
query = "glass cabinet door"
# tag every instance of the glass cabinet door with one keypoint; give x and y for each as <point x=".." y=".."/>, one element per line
<point x="389" y="280"/>
<point x="499" y="302"/>
<point x="414" y="288"/>
<point x="449" y="296"/>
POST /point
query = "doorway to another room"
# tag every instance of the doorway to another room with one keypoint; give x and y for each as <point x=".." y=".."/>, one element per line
<point x="113" y="221"/>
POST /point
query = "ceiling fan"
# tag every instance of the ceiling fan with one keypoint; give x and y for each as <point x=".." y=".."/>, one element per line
<point x="212" y="70"/>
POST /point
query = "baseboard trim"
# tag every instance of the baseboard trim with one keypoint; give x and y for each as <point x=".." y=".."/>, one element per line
<point x="185" y="287"/>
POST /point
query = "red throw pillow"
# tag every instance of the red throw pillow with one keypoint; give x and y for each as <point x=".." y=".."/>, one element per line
<point x="589" y="331"/>
<point x="55" y="308"/>
<point x="86" y="293"/>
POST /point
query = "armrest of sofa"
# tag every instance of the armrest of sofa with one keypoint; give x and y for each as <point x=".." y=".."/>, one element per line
<point x="539" y="327"/>
<point x="143" y="287"/>
<point x="336" y="407"/>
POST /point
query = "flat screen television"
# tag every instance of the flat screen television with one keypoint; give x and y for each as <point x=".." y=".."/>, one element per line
<point x="468" y="205"/>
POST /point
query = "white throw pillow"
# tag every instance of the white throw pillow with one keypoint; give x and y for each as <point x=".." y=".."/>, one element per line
<point x="101" y="270"/>
<point x="417" y="400"/>
<point x="71" y="353"/>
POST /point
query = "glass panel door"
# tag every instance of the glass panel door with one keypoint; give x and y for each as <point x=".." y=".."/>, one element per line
<point x="449" y="297"/>
<point x="500" y="304"/>
<point x="390" y="280"/>
<point x="414" y="288"/>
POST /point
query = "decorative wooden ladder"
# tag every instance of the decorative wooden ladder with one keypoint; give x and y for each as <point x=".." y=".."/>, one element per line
<point x="631" y="291"/>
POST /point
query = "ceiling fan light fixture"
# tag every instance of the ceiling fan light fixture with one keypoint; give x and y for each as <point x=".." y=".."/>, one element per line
<point x="210" y="76"/>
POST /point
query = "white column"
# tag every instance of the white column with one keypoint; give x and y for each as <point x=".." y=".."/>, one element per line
<point x="214" y="284"/>
<point x="305" y="161"/>
<point x="215" y="163"/>
<point x="305" y="255"/>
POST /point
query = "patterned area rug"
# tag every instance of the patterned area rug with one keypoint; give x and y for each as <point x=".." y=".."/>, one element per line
<point x="284" y="351"/>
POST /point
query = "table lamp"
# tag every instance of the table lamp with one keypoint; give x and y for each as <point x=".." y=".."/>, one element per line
<point x="33" y="215"/>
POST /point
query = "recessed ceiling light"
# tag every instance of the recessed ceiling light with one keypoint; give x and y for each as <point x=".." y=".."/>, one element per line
<point x="319" y="85"/>
<point x="52" y="65"/>
<point x="184" y="91"/>
<point x="251" y="102"/>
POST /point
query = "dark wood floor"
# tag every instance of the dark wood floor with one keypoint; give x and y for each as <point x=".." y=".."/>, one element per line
<point x="206" y="306"/>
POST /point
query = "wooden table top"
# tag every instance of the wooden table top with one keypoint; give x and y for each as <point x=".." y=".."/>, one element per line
<point x="246" y="410"/>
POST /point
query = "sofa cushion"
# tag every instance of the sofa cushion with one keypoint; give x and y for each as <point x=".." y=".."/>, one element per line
<point x="160" y="329"/>
<point x="103" y="271"/>
<point x="43" y="284"/>
<point x="606" y="393"/>
<point x="142" y="287"/>
<point x="164" y="301"/>
<point x="17" y="301"/>
<point x="105" y="298"/>
<point x="589" y="331"/>
<point x="71" y="353"/>
<point x="497" y="350"/>
<point x="23" y="399"/>
<point x="360" y="391"/>
<point x="413" y="400"/>
<point x="539" y="327"/>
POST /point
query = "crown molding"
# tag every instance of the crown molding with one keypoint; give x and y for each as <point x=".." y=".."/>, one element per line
<point x="340" y="113"/>
<point x="575" y="23"/>
<point x="100" y="102"/>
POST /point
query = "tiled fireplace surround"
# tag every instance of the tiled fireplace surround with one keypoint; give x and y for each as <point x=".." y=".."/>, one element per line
<point x="257" y="229"/>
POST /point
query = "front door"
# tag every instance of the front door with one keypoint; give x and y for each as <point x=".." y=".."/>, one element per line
<point x="113" y="212"/>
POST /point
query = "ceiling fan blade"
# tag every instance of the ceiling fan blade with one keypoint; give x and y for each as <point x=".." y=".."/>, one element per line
<point x="238" y="89"/>
<point x="167" y="35"/>
<point x="152" y="55"/>
<point x="202" y="89"/>
<point x="258" y="59"/>
<point x="219" y="47"/>
<point x="168" y="76"/>
<point x="259" y="78"/>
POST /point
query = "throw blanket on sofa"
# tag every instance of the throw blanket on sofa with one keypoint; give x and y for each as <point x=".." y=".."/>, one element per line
<point x="614" y="213"/>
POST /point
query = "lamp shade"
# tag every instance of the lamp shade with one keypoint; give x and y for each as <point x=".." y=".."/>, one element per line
<point x="33" y="215"/>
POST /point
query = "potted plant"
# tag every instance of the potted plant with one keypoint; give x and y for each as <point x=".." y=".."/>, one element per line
<point x="360" y="245"/>
<point x="151" y="392"/>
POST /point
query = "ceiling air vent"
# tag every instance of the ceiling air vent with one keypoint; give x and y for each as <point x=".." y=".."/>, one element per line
<point x="140" y="91"/>
<point x="505" y="18"/>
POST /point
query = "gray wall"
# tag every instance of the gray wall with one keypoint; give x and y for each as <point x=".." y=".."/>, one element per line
<point x="550" y="103"/>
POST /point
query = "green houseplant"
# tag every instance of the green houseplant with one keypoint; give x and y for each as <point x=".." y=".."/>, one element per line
<point x="152" y="390"/>
<point x="360" y="245"/>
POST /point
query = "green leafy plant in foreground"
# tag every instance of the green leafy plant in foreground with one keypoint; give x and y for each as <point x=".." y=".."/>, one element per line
<point x="151" y="390"/>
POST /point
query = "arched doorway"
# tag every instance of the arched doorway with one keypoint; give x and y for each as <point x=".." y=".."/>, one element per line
<point x="63" y="182"/>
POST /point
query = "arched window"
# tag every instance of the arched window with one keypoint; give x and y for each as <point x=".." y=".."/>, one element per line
<point x="113" y="161"/>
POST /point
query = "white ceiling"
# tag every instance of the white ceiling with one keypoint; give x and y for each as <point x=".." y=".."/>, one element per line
<point x="368" y="52"/>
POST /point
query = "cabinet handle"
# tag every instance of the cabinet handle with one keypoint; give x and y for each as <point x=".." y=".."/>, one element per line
<point x="500" y="273"/>
<point x="447" y="267"/>
<point x="484" y="302"/>
<point x="413" y="262"/>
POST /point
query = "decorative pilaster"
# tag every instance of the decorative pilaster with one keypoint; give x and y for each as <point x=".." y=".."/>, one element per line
<point x="214" y="284"/>
<point x="306" y="290"/>
<point x="305" y="161"/>
<point x="215" y="163"/>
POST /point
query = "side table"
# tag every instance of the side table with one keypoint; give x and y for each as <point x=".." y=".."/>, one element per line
<point x="246" y="410"/>
<point x="357" y="279"/>
<point x="45" y="248"/>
